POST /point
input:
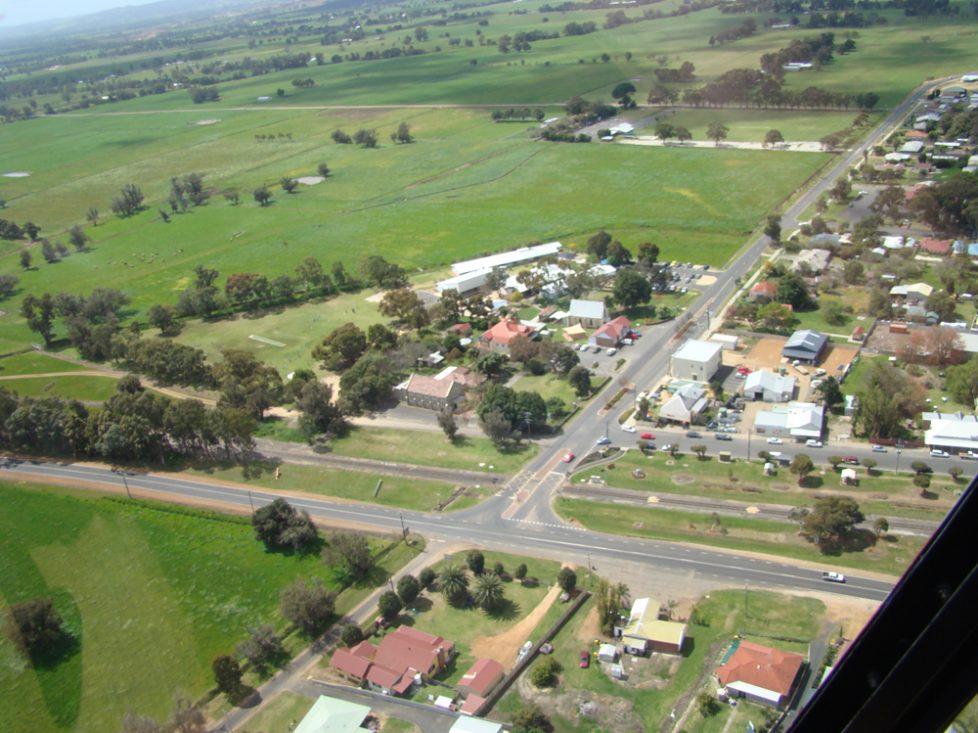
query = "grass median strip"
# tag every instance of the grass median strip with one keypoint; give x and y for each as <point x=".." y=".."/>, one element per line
<point x="889" y="555"/>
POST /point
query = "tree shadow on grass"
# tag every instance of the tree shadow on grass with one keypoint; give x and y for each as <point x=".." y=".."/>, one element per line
<point x="858" y="540"/>
<point x="507" y="610"/>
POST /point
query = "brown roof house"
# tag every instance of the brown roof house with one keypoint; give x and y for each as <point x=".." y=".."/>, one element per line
<point x="481" y="677"/>
<point x="498" y="337"/>
<point x="934" y="246"/>
<point x="443" y="391"/>
<point x="763" y="292"/>
<point x="611" y="333"/>
<point x="759" y="673"/>
<point x="403" y="657"/>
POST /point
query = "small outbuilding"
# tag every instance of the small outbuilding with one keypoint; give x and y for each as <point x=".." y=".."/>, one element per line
<point x="806" y="345"/>
<point x="607" y="653"/>
<point x="767" y="386"/>
<point x="332" y="715"/>
<point x="481" y="678"/>
<point x="645" y="632"/>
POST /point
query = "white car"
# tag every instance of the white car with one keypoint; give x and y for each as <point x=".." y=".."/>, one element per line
<point x="775" y="441"/>
<point x="879" y="449"/>
<point x="834" y="577"/>
<point x="583" y="347"/>
<point x="628" y="428"/>
<point x="812" y="443"/>
<point x="611" y="352"/>
<point x="939" y="454"/>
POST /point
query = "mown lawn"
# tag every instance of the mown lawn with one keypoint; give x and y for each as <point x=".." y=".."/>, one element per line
<point x="770" y="614"/>
<point x="33" y="362"/>
<point x="87" y="389"/>
<point x="879" y="492"/>
<point x="153" y="593"/>
<point x="547" y="386"/>
<point x="397" y="491"/>
<point x="891" y="555"/>
<point x="430" y="448"/>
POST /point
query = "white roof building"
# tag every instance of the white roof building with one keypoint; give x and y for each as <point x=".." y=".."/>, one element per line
<point x="686" y="403"/>
<point x="767" y="386"/>
<point x="508" y="259"/>
<point x="895" y="241"/>
<point x="917" y="292"/>
<point x="956" y="434"/>
<point x="588" y="310"/>
<point x="465" y="282"/>
<point x="332" y="715"/>
<point x="800" y="420"/>
<point x="912" y="146"/>
<point x="815" y="259"/>
<point x="696" y="360"/>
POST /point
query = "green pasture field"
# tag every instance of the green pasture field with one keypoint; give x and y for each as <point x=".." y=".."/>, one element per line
<point x="398" y="491"/>
<point x="751" y="125"/>
<point x="891" y="555"/>
<point x="771" y="614"/>
<point x="431" y="448"/>
<point x="880" y="493"/>
<point x="86" y="389"/>
<point x="33" y="362"/>
<point x="420" y="205"/>
<point x="153" y="593"/>
<point x="547" y="386"/>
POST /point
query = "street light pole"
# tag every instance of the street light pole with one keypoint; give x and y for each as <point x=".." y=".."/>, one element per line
<point x="897" y="470"/>
<point x="126" y="484"/>
<point x="403" y="528"/>
<point x="251" y="501"/>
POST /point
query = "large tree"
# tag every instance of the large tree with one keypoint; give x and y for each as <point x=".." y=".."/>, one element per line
<point x="35" y="627"/>
<point x="488" y="592"/>
<point x="791" y="291"/>
<point x="962" y="381"/>
<point x="832" y="518"/>
<point x="454" y="584"/>
<point x="631" y="289"/>
<point x="320" y="414"/>
<point x="307" y="604"/>
<point x="280" y="526"/>
<point x="717" y="131"/>
<point x="349" y="552"/>
<point x="227" y="675"/>
<point x="340" y="349"/>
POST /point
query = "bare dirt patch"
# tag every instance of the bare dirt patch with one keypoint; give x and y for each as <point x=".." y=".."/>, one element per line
<point x="504" y="647"/>
<point x="706" y="280"/>
<point x="590" y="628"/>
<point x="766" y="353"/>
<point x="614" y="713"/>
<point x="683" y="479"/>
<point x="837" y="357"/>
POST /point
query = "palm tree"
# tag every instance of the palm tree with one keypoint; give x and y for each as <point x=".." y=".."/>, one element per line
<point x="454" y="584"/>
<point x="488" y="593"/>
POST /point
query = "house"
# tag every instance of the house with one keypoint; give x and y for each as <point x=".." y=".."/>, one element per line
<point x="767" y="386"/>
<point x="547" y="313"/>
<point x="460" y="329"/>
<point x="498" y="337"/>
<point x="464" y="284"/>
<point x="403" y="657"/>
<point x="913" y="294"/>
<point x="332" y="715"/>
<point x="763" y="292"/>
<point x="575" y="333"/>
<point x="445" y="390"/>
<point x="912" y="146"/>
<point x="481" y="677"/>
<point x="940" y="247"/>
<point x="895" y="241"/>
<point x="956" y="433"/>
<point x="812" y="260"/>
<point x="610" y="334"/>
<point x="586" y="313"/>
<point x="467" y="724"/>
<point x="727" y="341"/>
<point x="759" y="673"/>
<point x="696" y="360"/>
<point x="685" y="405"/>
<point x="507" y="259"/>
<point x="799" y="420"/>
<point x="916" y="135"/>
<point x="805" y="345"/>
<point x="645" y="632"/>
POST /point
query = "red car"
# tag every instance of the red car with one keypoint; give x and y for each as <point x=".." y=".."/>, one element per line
<point x="851" y="460"/>
<point x="585" y="660"/>
<point x="569" y="457"/>
<point x="647" y="436"/>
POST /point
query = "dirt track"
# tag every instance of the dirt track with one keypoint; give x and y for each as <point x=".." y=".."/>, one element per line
<point x="504" y="647"/>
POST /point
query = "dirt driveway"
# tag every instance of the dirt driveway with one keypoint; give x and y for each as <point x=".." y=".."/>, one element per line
<point x="504" y="647"/>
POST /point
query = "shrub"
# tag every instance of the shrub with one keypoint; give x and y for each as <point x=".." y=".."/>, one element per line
<point x="545" y="672"/>
<point x="427" y="577"/>
<point x="567" y="579"/>
<point x="476" y="562"/>
<point x="408" y="588"/>
<point x="351" y="635"/>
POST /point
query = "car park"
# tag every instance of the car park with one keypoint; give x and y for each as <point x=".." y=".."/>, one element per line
<point x="879" y="449"/>
<point x="569" y="457"/>
<point x="834" y="577"/>
<point x="936" y="453"/>
<point x="647" y="436"/>
<point x="775" y="441"/>
<point x="812" y="443"/>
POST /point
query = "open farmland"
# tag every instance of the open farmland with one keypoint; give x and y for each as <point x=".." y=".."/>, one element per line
<point x="152" y="593"/>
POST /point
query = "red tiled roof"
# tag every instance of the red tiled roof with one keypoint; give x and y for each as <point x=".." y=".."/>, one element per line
<point x="407" y="647"/>
<point x="615" y="328"/>
<point x="505" y="330"/>
<point x="935" y="246"/>
<point x="472" y="704"/>
<point x="772" y="669"/>
<point x="482" y="676"/>
<point x="461" y="329"/>
<point x="858" y="331"/>
<point x="355" y="666"/>
<point x="383" y="677"/>
<point x="765" y="287"/>
<point x="916" y="135"/>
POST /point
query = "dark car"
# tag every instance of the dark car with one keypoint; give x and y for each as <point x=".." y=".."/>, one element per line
<point x="693" y="434"/>
<point x="723" y="436"/>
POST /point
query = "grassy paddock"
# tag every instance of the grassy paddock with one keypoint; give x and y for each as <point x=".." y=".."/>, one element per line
<point x="749" y="125"/>
<point x="33" y="362"/>
<point x="396" y="491"/>
<point x="87" y="389"/>
<point x="135" y="581"/>
<point x="891" y="555"/>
